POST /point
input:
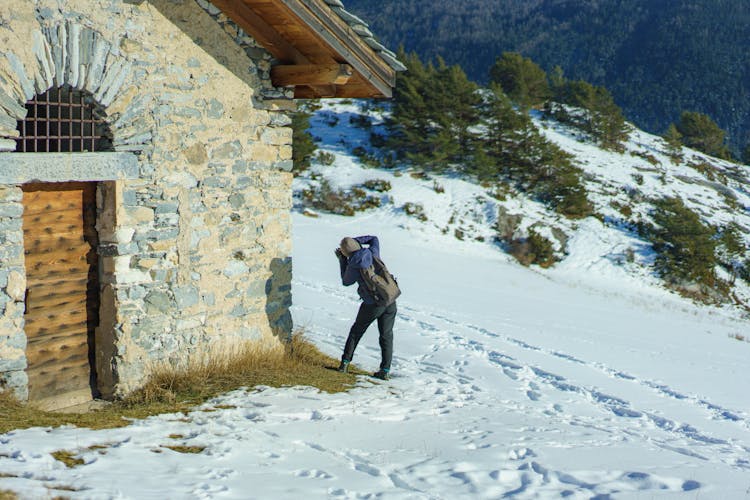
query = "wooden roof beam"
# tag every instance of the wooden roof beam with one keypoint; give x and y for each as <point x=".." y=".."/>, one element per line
<point x="252" y="23"/>
<point x="338" y="35"/>
<point x="311" y="74"/>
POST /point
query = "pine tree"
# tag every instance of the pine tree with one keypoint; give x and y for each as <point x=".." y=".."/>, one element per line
<point x="602" y="119"/>
<point x="527" y="159"/>
<point x="700" y="132"/>
<point x="456" y="105"/>
<point x="673" y="140"/>
<point x="303" y="146"/>
<point x="556" y="80"/>
<point x="686" y="248"/>
<point x="731" y="249"/>
<point x="507" y="133"/>
<point x="521" y="79"/>
<point x="407" y="125"/>
<point x="608" y="121"/>
<point x="433" y="110"/>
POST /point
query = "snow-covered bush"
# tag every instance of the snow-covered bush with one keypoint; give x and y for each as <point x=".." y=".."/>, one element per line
<point x="336" y="201"/>
<point x="415" y="210"/>
<point x="379" y="185"/>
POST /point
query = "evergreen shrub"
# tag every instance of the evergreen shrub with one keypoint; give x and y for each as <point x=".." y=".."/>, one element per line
<point x="534" y="249"/>
<point x="700" y="132"/>
<point x="327" y="199"/>
<point x="522" y="80"/>
<point x="303" y="145"/>
<point x="686" y="249"/>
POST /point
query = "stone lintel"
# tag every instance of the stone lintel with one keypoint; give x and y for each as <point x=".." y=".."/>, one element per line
<point x="21" y="168"/>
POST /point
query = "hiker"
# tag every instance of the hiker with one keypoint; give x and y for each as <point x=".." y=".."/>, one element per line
<point x="356" y="254"/>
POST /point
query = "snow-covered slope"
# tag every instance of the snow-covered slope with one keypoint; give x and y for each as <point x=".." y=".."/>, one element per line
<point x="594" y="251"/>
<point x="588" y="380"/>
<point x="507" y="383"/>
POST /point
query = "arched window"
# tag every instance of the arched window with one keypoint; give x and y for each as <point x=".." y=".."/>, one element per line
<point x="63" y="120"/>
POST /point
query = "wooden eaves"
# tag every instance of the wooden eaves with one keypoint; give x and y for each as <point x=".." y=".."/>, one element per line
<point x="318" y="53"/>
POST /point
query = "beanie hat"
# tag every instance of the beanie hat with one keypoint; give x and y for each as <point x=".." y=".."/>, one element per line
<point x="349" y="246"/>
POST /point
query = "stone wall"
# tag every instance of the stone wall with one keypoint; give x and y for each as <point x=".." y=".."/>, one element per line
<point x="195" y="251"/>
<point x="12" y="291"/>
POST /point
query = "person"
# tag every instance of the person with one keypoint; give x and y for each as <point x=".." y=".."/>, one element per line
<point x="355" y="254"/>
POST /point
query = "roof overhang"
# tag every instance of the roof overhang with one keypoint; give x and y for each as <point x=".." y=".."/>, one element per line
<point x="317" y="52"/>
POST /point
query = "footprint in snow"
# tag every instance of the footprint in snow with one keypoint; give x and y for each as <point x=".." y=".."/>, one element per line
<point x="313" y="474"/>
<point x="368" y="469"/>
<point x="520" y="454"/>
<point x="533" y="395"/>
<point x="217" y="474"/>
<point x="254" y="417"/>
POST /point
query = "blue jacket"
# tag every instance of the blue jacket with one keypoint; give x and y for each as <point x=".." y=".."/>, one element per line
<point x="361" y="259"/>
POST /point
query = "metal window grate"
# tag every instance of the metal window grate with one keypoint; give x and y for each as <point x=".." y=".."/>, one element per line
<point x="62" y="120"/>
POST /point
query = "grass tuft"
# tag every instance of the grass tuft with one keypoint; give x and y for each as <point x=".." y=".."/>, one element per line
<point x="186" y="449"/>
<point x="62" y="487"/>
<point x="7" y="495"/>
<point x="172" y="389"/>
<point x="69" y="458"/>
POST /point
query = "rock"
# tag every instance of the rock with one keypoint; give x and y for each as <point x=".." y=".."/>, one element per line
<point x="16" y="288"/>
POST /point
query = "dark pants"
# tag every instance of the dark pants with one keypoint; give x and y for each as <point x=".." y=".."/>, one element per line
<point x="366" y="315"/>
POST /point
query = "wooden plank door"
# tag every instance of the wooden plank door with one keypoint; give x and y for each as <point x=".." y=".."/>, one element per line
<point x="62" y="291"/>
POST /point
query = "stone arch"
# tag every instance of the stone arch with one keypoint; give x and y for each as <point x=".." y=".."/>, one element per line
<point x="64" y="120"/>
<point x="73" y="54"/>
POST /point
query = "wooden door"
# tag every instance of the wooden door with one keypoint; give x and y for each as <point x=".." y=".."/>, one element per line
<point x="62" y="291"/>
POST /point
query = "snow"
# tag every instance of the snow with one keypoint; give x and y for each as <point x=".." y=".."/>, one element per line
<point x="588" y="380"/>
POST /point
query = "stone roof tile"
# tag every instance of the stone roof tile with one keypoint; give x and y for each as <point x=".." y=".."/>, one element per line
<point x="361" y="28"/>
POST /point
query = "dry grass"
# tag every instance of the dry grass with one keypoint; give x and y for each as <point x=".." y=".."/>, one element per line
<point x="186" y="449"/>
<point x="69" y="458"/>
<point x="179" y="389"/>
<point x="7" y="495"/>
<point x="244" y="365"/>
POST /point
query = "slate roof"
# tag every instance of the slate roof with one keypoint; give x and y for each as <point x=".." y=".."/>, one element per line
<point x="361" y="28"/>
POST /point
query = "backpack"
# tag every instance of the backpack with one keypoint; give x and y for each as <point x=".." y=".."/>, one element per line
<point x="380" y="282"/>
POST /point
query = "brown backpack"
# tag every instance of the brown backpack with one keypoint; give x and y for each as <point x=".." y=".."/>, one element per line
<point x="380" y="282"/>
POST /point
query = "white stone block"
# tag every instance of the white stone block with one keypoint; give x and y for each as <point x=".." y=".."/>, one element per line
<point x="13" y="107"/>
<point x="17" y="66"/>
<point x="45" y="63"/>
<point x="60" y="50"/>
<point x="16" y="288"/>
<point x="124" y="235"/>
<point x="125" y="274"/>
<point x="74" y="61"/>
<point x="235" y="268"/>
<point x="98" y="61"/>
<point x="117" y="84"/>
<point x="181" y="179"/>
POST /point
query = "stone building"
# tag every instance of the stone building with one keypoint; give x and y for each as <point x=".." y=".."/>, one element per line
<point x="145" y="185"/>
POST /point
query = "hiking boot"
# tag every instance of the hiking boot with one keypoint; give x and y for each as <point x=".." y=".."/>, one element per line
<point x="344" y="367"/>
<point x="382" y="374"/>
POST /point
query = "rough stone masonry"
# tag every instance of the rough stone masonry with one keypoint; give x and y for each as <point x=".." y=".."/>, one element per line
<point x="195" y="240"/>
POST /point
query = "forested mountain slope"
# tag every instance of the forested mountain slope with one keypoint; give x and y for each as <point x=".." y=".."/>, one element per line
<point x="657" y="58"/>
